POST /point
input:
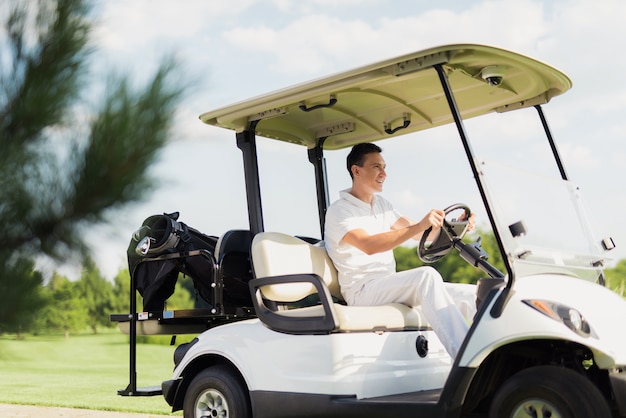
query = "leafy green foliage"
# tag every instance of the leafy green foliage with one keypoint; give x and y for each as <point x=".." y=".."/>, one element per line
<point x="72" y="306"/>
<point x="66" y="311"/>
<point x="97" y="294"/>
<point x="182" y="297"/>
<point x="121" y="293"/>
<point x="63" y="165"/>
<point x="616" y="278"/>
<point x="45" y="74"/>
<point x="21" y="295"/>
<point x="125" y="138"/>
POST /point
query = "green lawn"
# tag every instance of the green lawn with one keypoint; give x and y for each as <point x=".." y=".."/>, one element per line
<point x="83" y="371"/>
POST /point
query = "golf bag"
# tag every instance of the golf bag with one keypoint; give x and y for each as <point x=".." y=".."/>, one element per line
<point x="161" y="249"/>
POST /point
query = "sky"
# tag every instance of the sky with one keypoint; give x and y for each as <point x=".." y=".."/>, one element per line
<point x="230" y="50"/>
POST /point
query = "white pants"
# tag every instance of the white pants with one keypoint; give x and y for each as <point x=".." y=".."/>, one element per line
<point x="448" y="307"/>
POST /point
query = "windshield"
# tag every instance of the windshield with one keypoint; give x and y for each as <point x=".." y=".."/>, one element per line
<point x="541" y="221"/>
<point x="540" y="217"/>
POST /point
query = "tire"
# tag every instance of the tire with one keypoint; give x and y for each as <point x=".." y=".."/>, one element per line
<point x="549" y="391"/>
<point x="217" y="392"/>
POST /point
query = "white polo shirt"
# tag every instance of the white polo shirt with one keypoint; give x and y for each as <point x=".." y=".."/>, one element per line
<point x="355" y="266"/>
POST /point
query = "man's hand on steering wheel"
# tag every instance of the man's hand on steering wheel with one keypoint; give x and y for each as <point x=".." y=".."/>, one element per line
<point x="448" y="232"/>
<point x="471" y="221"/>
<point x="433" y="219"/>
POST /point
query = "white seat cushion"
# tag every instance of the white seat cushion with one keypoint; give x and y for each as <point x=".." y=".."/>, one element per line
<point x="393" y="316"/>
<point x="276" y="254"/>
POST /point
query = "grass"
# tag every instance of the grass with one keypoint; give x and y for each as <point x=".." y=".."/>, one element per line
<point x="84" y="371"/>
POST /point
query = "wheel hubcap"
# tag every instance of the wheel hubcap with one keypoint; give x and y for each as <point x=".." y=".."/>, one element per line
<point x="536" y="408"/>
<point x="211" y="404"/>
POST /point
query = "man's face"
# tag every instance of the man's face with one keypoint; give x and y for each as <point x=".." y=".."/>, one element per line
<point x="372" y="175"/>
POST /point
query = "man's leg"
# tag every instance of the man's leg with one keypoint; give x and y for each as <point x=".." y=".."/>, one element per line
<point x="422" y="287"/>
<point x="464" y="296"/>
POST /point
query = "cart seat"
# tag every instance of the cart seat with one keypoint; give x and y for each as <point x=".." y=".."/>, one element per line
<point x="289" y="271"/>
<point x="233" y="260"/>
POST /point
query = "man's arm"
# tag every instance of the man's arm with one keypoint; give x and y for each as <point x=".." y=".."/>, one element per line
<point x="401" y="231"/>
<point x="403" y="222"/>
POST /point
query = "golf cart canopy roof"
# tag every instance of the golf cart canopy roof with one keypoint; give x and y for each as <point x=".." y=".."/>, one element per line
<point x="396" y="96"/>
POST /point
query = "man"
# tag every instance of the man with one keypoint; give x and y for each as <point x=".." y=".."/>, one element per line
<point x="361" y="231"/>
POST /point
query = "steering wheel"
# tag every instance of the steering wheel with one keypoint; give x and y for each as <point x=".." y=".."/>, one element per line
<point x="450" y="232"/>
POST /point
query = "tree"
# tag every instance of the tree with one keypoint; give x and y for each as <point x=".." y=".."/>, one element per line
<point x="97" y="294"/>
<point x="67" y="310"/>
<point x="121" y="293"/>
<point x="22" y="294"/>
<point x="64" y="166"/>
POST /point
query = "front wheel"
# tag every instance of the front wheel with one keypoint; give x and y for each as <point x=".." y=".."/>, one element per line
<point x="216" y="392"/>
<point x="548" y="391"/>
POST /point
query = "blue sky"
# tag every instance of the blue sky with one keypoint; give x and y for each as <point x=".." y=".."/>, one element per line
<point x="236" y="49"/>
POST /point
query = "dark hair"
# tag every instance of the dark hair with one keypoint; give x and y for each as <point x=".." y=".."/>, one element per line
<point x="358" y="153"/>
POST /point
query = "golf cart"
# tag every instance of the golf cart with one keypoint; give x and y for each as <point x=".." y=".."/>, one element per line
<point x="547" y="339"/>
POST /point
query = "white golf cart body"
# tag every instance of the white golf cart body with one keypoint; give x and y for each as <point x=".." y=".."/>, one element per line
<point x="329" y="359"/>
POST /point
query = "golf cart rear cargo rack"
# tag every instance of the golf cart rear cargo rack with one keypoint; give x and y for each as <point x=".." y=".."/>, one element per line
<point x="222" y="265"/>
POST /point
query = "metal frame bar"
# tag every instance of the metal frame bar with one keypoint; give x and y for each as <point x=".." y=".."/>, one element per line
<point x="131" y="389"/>
<point x="316" y="157"/>
<point x="246" y="142"/>
<point x="555" y="151"/>
<point x="458" y="120"/>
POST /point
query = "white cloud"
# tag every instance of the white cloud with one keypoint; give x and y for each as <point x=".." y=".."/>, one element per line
<point x="309" y="45"/>
<point x="320" y="43"/>
<point x="128" y="25"/>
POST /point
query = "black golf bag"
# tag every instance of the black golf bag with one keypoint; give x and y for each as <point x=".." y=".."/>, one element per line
<point x="163" y="247"/>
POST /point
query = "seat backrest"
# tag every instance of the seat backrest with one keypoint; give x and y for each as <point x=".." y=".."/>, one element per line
<point x="232" y="253"/>
<point x="276" y="254"/>
<point x="233" y="240"/>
